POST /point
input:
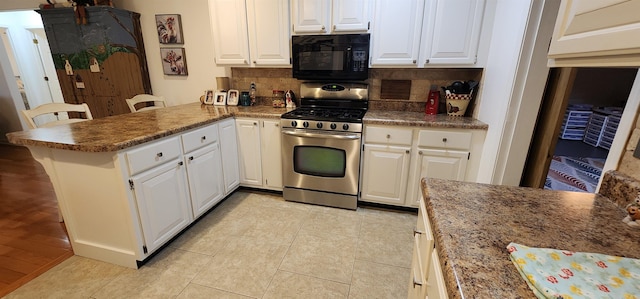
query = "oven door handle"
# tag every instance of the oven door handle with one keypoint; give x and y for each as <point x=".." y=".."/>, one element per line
<point x="341" y="136"/>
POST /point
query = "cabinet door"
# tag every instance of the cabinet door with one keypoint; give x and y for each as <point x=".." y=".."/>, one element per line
<point x="439" y="164"/>
<point x="229" y="151"/>
<point x="350" y="15"/>
<point x="268" y="23"/>
<point x="204" y="174"/>
<point x="271" y="154"/>
<point x="249" y="152"/>
<point x="384" y="174"/>
<point x="229" y="26"/>
<point x="597" y="28"/>
<point x="163" y="202"/>
<point x="396" y="32"/>
<point x="310" y="16"/>
<point x="451" y="31"/>
<point x="436" y="288"/>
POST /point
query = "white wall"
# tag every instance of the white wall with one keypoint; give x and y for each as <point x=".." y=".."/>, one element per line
<point x="198" y="44"/>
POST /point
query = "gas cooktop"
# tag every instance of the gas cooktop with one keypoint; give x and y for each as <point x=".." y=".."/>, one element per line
<point x="326" y="114"/>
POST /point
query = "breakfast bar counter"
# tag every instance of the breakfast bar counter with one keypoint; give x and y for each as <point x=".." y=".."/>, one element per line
<point x="473" y="224"/>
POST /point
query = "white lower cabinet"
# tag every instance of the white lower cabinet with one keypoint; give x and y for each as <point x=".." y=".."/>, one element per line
<point x="204" y="173"/>
<point x="229" y="152"/>
<point x="396" y="158"/>
<point x="260" y="153"/>
<point x="163" y="202"/>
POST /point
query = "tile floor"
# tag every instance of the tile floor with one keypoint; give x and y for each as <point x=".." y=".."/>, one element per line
<point x="256" y="245"/>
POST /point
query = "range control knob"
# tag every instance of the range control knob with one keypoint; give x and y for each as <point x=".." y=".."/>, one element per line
<point x="319" y="125"/>
<point x="294" y="123"/>
<point x="305" y="124"/>
<point x="345" y="127"/>
<point x="333" y="126"/>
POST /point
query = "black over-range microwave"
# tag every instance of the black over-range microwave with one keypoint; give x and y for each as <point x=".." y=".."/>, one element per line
<point x="330" y="57"/>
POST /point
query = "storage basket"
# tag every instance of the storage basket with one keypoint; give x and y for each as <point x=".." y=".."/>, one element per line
<point x="457" y="103"/>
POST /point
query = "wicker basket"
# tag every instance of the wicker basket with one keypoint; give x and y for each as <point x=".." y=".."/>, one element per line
<point x="457" y="104"/>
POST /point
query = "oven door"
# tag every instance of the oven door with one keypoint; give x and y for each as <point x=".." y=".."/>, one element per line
<point x="321" y="161"/>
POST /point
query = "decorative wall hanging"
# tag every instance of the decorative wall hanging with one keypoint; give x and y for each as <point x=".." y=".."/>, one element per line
<point x="174" y="61"/>
<point x="169" y="29"/>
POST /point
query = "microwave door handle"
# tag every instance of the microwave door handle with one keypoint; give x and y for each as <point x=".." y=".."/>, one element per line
<point x="322" y="135"/>
<point x="349" y="54"/>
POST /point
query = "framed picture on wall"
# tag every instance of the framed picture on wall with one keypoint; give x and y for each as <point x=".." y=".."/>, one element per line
<point x="174" y="61"/>
<point x="169" y="29"/>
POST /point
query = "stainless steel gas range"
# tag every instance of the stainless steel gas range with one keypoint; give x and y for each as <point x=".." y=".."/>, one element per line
<point x="321" y="144"/>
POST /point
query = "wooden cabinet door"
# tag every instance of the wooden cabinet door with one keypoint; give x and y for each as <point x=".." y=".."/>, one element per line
<point x="230" y="37"/>
<point x="163" y="202"/>
<point x="204" y="174"/>
<point x="310" y="16"/>
<point x="384" y="174"/>
<point x="268" y="23"/>
<point x="395" y="38"/>
<point x="350" y="15"/>
<point x="587" y="28"/>
<point x="439" y="164"/>
<point x="451" y="31"/>
<point x="229" y="151"/>
<point x="249" y="152"/>
<point x="271" y="154"/>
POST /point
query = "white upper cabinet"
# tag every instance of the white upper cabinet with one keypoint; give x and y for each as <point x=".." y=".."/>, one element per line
<point x="416" y="33"/>
<point x="330" y="16"/>
<point x="268" y="23"/>
<point x="250" y="32"/>
<point x="229" y="26"/>
<point x="596" y="33"/>
<point x="350" y="15"/>
<point x="395" y="40"/>
<point x="451" y="31"/>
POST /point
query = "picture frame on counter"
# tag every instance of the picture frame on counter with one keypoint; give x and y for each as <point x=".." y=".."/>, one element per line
<point x="233" y="96"/>
<point x="208" y="97"/>
<point x="174" y="61"/>
<point x="220" y="98"/>
<point x="169" y="28"/>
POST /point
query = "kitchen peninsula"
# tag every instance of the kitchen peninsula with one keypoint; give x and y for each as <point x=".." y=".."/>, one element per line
<point x="473" y="224"/>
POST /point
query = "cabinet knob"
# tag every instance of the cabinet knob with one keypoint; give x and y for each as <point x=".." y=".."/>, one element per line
<point x="388" y="136"/>
<point x="407" y="151"/>
<point x="191" y="158"/>
<point x="277" y="125"/>
<point x="444" y="139"/>
<point x="204" y="137"/>
<point x="180" y="163"/>
<point x="255" y="123"/>
<point x="420" y="153"/>
<point x="427" y="61"/>
<point x="159" y="155"/>
<point x="322" y="29"/>
<point x="416" y="283"/>
<point x="416" y="232"/>
<point x="254" y="62"/>
<point x="414" y="61"/>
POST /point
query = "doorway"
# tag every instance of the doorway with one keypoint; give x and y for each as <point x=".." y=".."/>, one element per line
<point x="578" y="120"/>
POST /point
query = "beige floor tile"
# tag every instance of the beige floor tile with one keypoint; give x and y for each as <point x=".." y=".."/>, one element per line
<point x="164" y="276"/>
<point x="372" y="280"/>
<point x="385" y="245"/>
<point x="399" y="219"/>
<point x="77" y="277"/>
<point x="195" y="291"/>
<point x="327" y="256"/>
<point x="245" y="266"/>
<point x="291" y="285"/>
<point x="334" y="221"/>
<point x="277" y="224"/>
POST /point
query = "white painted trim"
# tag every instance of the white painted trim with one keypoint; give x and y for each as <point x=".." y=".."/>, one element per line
<point x="626" y="125"/>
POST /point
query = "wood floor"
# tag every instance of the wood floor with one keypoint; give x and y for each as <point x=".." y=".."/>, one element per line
<point x="32" y="240"/>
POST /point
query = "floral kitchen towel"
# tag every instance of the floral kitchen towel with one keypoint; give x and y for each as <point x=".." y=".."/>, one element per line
<point x="553" y="273"/>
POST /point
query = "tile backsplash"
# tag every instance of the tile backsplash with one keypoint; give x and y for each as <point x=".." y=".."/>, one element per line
<point x="421" y="80"/>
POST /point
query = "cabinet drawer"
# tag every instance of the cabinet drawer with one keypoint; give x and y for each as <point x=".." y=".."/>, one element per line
<point x="199" y="138"/>
<point x="153" y="154"/>
<point x="444" y="139"/>
<point x="387" y="135"/>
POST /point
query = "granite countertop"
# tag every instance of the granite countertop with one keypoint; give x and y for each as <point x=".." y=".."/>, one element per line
<point x="126" y="130"/>
<point x="473" y="224"/>
<point x="420" y="119"/>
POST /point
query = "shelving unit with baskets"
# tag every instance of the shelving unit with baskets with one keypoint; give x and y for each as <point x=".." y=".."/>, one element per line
<point x="575" y="121"/>
<point x="602" y="127"/>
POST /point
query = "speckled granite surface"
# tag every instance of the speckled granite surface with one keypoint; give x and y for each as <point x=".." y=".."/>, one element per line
<point x="473" y="224"/>
<point x="619" y="188"/>
<point x="420" y="119"/>
<point x="122" y="131"/>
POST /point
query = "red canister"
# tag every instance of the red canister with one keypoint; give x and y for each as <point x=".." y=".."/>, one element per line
<point x="432" y="102"/>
